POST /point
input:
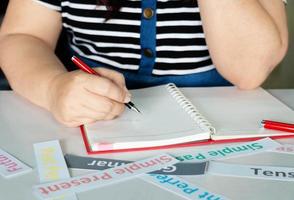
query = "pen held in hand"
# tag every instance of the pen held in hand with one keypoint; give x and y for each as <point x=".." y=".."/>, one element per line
<point x="84" y="67"/>
<point x="280" y="126"/>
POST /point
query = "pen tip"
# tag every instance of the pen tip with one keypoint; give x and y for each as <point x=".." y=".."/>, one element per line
<point x="133" y="107"/>
<point x="137" y="110"/>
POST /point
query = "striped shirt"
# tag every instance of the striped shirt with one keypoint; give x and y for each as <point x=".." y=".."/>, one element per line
<point x="179" y="42"/>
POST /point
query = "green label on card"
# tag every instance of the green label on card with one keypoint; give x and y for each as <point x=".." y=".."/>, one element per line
<point x="229" y="151"/>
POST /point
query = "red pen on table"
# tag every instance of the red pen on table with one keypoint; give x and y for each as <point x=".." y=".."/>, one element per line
<point x="83" y="66"/>
<point x="281" y="126"/>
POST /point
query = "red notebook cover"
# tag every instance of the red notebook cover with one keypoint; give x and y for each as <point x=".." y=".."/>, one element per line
<point x="237" y="111"/>
<point x="181" y="145"/>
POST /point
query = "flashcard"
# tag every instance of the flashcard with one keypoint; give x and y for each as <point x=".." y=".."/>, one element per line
<point x="80" y="162"/>
<point x="285" y="148"/>
<point x="251" y="171"/>
<point x="10" y="166"/>
<point x="181" y="187"/>
<point x="229" y="151"/>
<point x="103" y="178"/>
<point x="51" y="164"/>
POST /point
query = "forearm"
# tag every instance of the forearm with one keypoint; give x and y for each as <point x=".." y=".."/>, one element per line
<point x="244" y="41"/>
<point x="29" y="65"/>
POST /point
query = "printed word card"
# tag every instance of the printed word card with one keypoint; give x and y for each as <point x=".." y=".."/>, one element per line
<point x="235" y="150"/>
<point x="285" y="148"/>
<point x="181" y="187"/>
<point x="51" y="164"/>
<point x="80" y="162"/>
<point x="251" y="171"/>
<point x="10" y="166"/>
<point x="103" y="178"/>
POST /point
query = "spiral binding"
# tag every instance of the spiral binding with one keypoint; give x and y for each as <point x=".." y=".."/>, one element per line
<point x="189" y="108"/>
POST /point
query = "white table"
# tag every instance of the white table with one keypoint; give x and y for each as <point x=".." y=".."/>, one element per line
<point x="22" y="125"/>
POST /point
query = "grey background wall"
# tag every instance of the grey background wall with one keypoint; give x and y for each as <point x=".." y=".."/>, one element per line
<point x="283" y="75"/>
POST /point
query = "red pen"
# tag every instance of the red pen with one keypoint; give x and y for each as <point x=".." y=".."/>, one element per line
<point x="281" y="126"/>
<point x="83" y="66"/>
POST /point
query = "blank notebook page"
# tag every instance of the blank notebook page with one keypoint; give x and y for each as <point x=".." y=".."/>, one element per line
<point x="163" y="121"/>
<point x="237" y="114"/>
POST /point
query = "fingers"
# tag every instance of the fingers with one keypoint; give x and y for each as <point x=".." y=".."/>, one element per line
<point x="107" y="88"/>
<point x="87" y="112"/>
<point x="115" y="76"/>
<point x="78" y="98"/>
<point x="100" y="104"/>
<point x="93" y="109"/>
<point x="79" y="122"/>
<point x="87" y="116"/>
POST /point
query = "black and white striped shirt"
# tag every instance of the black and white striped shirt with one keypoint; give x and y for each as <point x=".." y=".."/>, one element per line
<point x="180" y="42"/>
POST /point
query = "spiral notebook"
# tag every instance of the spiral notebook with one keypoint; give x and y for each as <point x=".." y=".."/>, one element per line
<point x="171" y="119"/>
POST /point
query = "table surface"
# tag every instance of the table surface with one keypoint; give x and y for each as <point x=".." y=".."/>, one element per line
<point x="23" y="124"/>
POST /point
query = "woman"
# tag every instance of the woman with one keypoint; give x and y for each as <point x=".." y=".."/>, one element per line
<point x="150" y="42"/>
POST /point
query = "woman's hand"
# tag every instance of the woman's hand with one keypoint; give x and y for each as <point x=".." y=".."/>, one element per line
<point x="28" y="37"/>
<point x="77" y="98"/>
